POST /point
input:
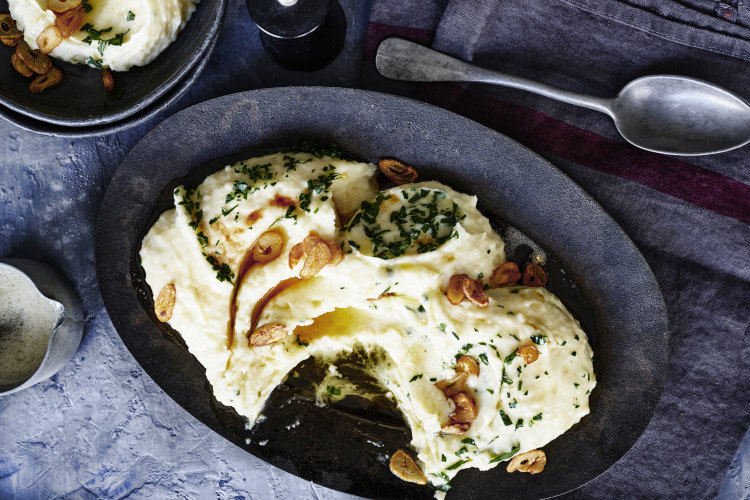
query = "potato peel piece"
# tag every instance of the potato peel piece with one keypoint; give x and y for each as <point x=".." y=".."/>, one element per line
<point x="268" y="334"/>
<point x="19" y="66"/>
<point x="468" y="365"/>
<point x="164" y="302"/>
<point x="49" y="39"/>
<point x="506" y="274"/>
<point x="267" y="247"/>
<point x="473" y="291"/>
<point x="529" y="353"/>
<point x="405" y="468"/>
<point x="534" y="275"/>
<point x="60" y="6"/>
<point x="397" y="172"/>
<point x="47" y="80"/>
<point x="455" y="291"/>
<point x="532" y="462"/>
<point x="69" y="22"/>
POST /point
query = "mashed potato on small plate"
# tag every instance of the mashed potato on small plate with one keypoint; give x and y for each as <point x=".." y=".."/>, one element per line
<point x="293" y="255"/>
<point x="120" y="34"/>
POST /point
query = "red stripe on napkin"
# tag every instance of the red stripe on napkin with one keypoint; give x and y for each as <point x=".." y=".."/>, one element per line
<point x="699" y="186"/>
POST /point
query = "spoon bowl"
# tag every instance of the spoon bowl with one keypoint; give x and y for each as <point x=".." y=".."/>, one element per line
<point x="680" y="115"/>
<point x="667" y="114"/>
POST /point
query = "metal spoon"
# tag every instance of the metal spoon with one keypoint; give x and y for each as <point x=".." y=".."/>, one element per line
<point x="661" y="113"/>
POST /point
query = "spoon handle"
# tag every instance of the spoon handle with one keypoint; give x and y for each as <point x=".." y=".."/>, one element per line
<point x="401" y="59"/>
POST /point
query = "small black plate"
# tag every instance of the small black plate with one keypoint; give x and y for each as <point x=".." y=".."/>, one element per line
<point x="347" y="447"/>
<point x="80" y="100"/>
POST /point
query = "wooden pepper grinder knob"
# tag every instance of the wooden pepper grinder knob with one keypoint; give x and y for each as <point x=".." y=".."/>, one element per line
<point x="302" y="35"/>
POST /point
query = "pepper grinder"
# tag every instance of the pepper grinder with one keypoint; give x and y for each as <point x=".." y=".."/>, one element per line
<point x="302" y="35"/>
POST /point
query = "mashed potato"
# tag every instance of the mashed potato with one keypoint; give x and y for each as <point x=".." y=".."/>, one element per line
<point x="386" y="298"/>
<point x="134" y="32"/>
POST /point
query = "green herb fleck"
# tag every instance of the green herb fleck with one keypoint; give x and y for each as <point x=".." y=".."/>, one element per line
<point x="333" y="391"/>
<point x="505" y="456"/>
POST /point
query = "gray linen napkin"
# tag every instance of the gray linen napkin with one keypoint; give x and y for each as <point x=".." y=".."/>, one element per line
<point x="689" y="216"/>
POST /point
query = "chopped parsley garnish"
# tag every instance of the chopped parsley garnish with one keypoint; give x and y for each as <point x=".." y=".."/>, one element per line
<point x="456" y="465"/>
<point x="441" y="326"/>
<point x="483" y="358"/>
<point x="442" y="458"/>
<point x="538" y="416"/>
<point x="423" y="222"/>
<point x="333" y="391"/>
<point x="509" y="358"/>
<point x="506" y="379"/>
<point x="519" y="423"/>
<point x="506" y="418"/>
<point x="416" y="377"/>
<point x="462" y="451"/>
<point x="223" y="271"/>
<point x="468" y="441"/>
<point x="505" y="456"/>
<point x="540" y="339"/>
<point x="573" y="353"/>
<point x="96" y="35"/>
<point x="96" y="63"/>
<point x="131" y="16"/>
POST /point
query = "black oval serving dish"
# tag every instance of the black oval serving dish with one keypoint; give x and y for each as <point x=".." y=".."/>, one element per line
<point x="80" y="100"/>
<point x="594" y="267"/>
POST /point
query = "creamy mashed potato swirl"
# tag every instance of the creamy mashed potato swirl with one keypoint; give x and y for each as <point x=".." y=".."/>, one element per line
<point x="386" y="298"/>
<point x="147" y="28"/>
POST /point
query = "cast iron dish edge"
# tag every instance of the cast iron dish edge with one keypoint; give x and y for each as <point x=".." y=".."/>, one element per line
<point x="80" y="100"/>
<point x="44" y="128"/>
<point x="512" y="183"/>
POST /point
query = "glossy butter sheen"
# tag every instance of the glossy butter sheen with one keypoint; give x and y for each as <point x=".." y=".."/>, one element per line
<point x="393" y="309"/>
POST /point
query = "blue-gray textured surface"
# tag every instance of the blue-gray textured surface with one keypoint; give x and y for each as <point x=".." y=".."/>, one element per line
<point x="101" y="428"/>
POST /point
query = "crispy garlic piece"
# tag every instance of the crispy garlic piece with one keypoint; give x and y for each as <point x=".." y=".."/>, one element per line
<point x="109" y="82"/>
<point x="405" y="468"/>
<point x="317" y="254"/>
<point x="164" y="302"/>
<point x="39" y="63"/>
<point x="506" y="274"/>
<point x="69" y="22"/>
<point x="454" y="429"/>
<point x="19" y="65"/>
<point x="454" y="385"/>
<point x="466" y="409"/>
<point x="268" y="334"/>
<point x="467" y="364"/>
<point x="455" y="291"/>
<point x="534" y="275"/>
<point x="47" y="80"/>
<point x="475" y="294"/>
<point x="397" y="172"/>
<point x="49" y="39"/>
<point x="269" y="244"/>
<point x="529" y="353"/>
<point x="532" y="462"/>
<point x="60" y="6"/>
<point x="10" y="35"/>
